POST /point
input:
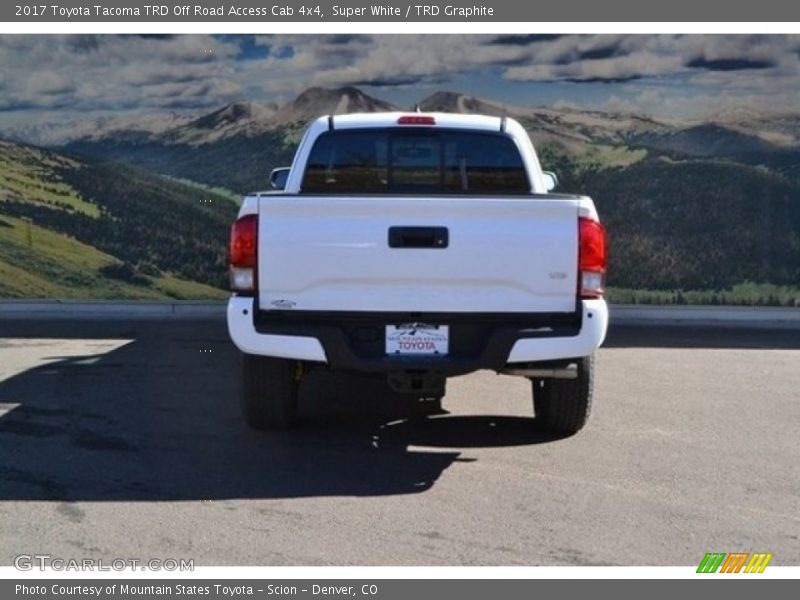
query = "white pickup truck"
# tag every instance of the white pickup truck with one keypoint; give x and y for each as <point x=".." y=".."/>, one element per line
<point x="420" y="246"/>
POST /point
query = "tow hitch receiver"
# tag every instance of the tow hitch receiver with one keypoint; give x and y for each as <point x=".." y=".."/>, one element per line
<point x="418" y="383"/>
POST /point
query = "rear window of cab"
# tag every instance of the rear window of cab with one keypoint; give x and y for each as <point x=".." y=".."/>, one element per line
<point x="414" y="160"/>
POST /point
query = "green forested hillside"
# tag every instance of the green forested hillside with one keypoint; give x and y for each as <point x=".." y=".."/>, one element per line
<point x="240" y="163"/>
<point x="39" y="263"/>
<point x="687" y="223"/>
<point x="71" y="228"/>
<point x="699" y="224"/>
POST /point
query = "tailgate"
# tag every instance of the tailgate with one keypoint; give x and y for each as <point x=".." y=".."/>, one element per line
<point x="443" y="255"/>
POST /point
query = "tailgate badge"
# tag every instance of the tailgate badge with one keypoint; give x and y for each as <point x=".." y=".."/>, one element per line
<point x="283" y="303"/>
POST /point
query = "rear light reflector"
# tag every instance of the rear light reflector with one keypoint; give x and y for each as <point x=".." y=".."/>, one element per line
<point x="416" y="120"/>
<point x="242" y="279"/>
<point x="243" y="253"/>
<point x="592" y="257"/>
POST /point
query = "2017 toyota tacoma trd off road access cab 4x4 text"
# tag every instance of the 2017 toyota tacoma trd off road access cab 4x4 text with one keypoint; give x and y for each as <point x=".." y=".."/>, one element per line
<point x="420" y="246"/>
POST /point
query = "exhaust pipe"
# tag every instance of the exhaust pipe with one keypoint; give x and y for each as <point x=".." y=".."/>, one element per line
<point x="568" y="372"/>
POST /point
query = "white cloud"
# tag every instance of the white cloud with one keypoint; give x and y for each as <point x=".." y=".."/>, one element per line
<point x="50" y="83"/>
<point x="93" y="72"/>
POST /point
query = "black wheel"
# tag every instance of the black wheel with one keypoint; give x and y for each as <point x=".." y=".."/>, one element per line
<point x="563" y="405"/>
<point x="269" y="392"/>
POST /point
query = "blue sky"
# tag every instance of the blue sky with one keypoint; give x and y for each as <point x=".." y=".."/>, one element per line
<point x="49" y="78"/>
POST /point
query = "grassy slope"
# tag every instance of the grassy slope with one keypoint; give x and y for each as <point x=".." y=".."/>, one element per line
<point x="37" y="261"/>
<point x="29" y="174"/>
<point x="208" y="189"/>
<point x="56" y="266"/>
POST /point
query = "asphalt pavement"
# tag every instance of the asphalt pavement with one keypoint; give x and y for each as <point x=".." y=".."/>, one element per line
<point x="124" y="440"/>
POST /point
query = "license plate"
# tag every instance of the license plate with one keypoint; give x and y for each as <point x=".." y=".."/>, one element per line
<point x="417" y="338"/>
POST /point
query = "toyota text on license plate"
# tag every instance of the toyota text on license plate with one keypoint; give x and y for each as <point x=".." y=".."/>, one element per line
<point x="417" y="338"/>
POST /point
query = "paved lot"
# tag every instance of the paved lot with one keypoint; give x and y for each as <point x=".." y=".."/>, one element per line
<point x="124" y="440"/>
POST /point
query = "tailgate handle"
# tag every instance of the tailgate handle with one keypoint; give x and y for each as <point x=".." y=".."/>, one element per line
<point x="418" y="237"/>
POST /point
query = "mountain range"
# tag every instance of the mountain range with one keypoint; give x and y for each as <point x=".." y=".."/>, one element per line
<point x="732" y="132"/>
<point x="236" y="145"/>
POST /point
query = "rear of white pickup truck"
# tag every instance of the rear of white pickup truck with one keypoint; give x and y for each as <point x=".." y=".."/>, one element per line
<point x="419" y="246"/>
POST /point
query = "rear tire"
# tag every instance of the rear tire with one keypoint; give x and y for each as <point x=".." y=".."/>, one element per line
<point x="563" y="405"/>
<point x="269" y="392"/>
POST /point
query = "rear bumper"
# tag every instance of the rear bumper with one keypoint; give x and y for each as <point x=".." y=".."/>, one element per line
<point x="350" y="342"/>
<point x="594" y="324"/>
<point x="243" y="333"/>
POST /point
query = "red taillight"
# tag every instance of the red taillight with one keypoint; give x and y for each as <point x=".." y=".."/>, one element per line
<point x="416" y="120"/>
<point x="243" y="252"/>
<point x="592" y="257"/>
